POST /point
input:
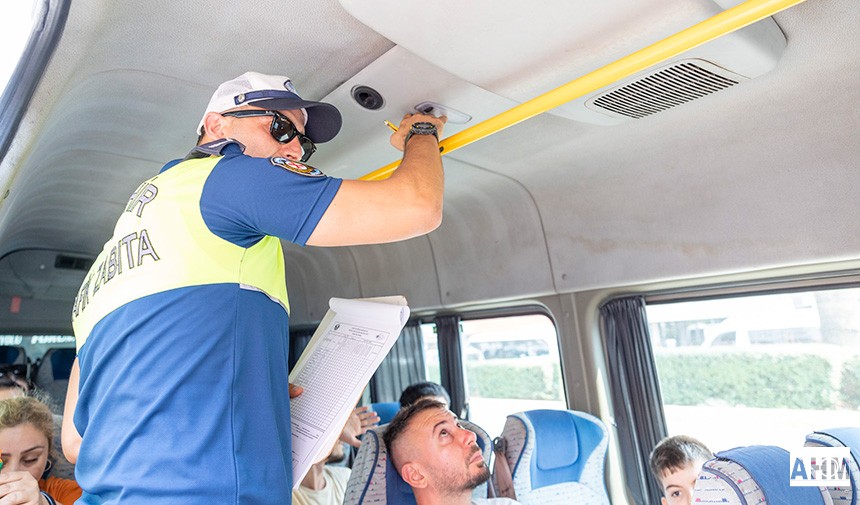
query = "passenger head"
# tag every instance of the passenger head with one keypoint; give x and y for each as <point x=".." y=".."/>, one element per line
<point x="433" y="452"/>
<point x="26" y="435"/>
<point x="421" y="390"/>
<point x="284" y="113"/>
<point x="676" y="463"/>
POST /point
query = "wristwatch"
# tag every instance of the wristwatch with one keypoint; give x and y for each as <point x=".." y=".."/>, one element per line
<point x="421" y="128"/>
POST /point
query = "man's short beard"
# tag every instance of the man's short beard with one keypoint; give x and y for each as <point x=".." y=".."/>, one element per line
<point x="477" y="480"/>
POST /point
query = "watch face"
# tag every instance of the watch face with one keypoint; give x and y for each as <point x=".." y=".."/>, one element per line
<point x="421" y="128"/>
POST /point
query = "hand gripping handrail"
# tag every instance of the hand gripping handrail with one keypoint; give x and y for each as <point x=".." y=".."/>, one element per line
<point x="721" y="24"/>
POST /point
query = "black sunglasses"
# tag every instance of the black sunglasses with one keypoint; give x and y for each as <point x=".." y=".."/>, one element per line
<point x="19" y="371"/>
<point x="282" y="129"/>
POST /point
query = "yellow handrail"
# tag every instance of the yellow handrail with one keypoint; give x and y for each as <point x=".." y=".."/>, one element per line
<point x="721" y="24"/>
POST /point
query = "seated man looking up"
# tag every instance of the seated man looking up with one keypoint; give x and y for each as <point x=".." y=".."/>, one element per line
<point x="676" y="463"/>
<point x="419" y="390"/>
<point x="436" y="456"/>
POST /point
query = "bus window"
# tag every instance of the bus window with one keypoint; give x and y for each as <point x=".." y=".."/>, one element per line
<point x="511" y="364"/>
<point x="767" y="369"/>
<point x="36" y="345"/>
<point x="431" y="352"/>
<point x="17" y="25"/>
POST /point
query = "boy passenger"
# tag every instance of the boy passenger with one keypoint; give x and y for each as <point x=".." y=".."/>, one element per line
<point x="676" y="463"/>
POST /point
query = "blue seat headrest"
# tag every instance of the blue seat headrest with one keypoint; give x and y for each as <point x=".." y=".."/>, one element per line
<point x="385" y="410"/>
<point x="850" y="437"/>
<point x="769" y="467"/>
<point x="61" y="363"/>
<point x="9" y="354"/>
<point x="397" y="491"/>
<point x="556" y="436"/>
<point x="564" y="441"/>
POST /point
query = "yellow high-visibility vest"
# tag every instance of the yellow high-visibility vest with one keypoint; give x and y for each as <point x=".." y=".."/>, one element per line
<point x="161" y="242"/>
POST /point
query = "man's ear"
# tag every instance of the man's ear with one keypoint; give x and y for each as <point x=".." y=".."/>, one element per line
<point x="413" y="476"/>
<point x="213" y="125"/>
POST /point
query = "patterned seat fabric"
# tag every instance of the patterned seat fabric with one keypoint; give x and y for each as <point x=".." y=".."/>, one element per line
<point x="841" y="437"/>
<point x="556" y="457"/>
<point x="12" y="355"/>
<point x="756" y="474"/>
<point x="374" y="480"/>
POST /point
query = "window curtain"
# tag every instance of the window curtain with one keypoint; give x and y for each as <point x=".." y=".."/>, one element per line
<point x="635" y="390"/>
<point x="451" y="362"/>
<point x="298" y="341"/>
<point x="403" y="366"/>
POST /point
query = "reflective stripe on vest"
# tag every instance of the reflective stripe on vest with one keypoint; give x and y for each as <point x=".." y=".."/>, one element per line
<point x="161" y="243"/>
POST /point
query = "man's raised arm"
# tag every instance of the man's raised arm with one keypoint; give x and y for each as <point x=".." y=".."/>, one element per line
<point x="407" y="204"/>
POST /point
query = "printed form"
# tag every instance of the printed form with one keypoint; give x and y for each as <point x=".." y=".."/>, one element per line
<point x="341" y="357"/>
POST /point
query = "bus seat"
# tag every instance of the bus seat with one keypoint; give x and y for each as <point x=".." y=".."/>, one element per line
<point x="755" y="474"/>
<point x="841" y="437"/>
<point x="556" y="456"/>
<point x="375" y="481"/>
<point x="12" y="355"/>
<point x="385" y="410"/>
<point x="53" y="374"/>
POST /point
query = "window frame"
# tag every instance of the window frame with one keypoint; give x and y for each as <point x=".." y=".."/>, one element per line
<point x="454" y="381"/>
<point x="817" y="281"/>
<point x="16" y="97"/>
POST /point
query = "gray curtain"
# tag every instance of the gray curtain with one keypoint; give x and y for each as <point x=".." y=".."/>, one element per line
<point x="403" y="366"/>
<point x="298" y="341"/>
<point x="451" y="366"/>
<point x="635" y="392"/>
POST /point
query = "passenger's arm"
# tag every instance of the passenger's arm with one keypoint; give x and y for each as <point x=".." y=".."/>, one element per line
<point x="70" y="436"/>
<point x="407" y="204"/>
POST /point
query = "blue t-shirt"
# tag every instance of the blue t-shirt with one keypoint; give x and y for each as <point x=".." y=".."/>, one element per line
<point x="183" y="393"/>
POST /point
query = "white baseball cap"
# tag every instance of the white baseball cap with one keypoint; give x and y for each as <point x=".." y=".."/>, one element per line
<point x="275" y="92"/>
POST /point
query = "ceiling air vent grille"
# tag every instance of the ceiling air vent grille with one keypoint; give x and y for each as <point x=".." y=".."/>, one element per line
<point x="66" y="262"/>
<point x="663" y="90"/>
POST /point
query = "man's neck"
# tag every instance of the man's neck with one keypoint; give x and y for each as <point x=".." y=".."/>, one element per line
<point x="315" y="479"/>
<point x="433" y="497"/>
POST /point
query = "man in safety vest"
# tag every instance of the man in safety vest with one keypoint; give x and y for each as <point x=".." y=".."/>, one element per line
<point x="179" y="393"/>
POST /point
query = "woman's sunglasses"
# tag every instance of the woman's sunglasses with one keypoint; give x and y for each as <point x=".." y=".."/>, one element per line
<point x="282" y="129"/>
<point x="17" y="371"/>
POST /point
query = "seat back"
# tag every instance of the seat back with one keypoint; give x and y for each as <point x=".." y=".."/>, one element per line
<point x="14" y="361"/>
<point x="841" y="437"/>
<point x="556" y="457"/>
<point x="374" y="479"/>
<point x="12" y="355"/>
<point x="755" y="474"/>
<point x="53" y="374"/>
<point x="385" y="410"/>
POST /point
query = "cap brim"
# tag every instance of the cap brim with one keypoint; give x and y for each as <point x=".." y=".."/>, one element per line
<point x="324" y="120"/>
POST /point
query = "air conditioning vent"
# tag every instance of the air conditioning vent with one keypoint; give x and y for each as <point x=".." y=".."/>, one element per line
<point x="66" y="262"/>
<point x="664" y="89"/>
